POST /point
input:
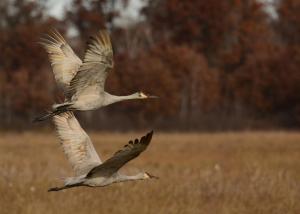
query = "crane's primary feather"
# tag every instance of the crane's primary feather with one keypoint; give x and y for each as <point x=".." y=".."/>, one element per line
<point x="121" y="157"/>
<point x="98" y="61"/>
<point x="64" y="61"/>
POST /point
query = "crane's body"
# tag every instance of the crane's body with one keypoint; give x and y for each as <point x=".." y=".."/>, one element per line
<point x="83" y="81"/>
<point x="100" y="181"/>
<point x="89" y="169"/>
<point x="86" y="101"/>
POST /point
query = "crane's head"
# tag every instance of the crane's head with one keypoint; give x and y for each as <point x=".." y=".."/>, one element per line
<point x="142" y="95"/>
<point x="149" y="176"/>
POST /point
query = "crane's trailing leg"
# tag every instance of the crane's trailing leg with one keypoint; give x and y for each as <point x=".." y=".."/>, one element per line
<point x="69" y="183"/>
<point x="55" y="189"/>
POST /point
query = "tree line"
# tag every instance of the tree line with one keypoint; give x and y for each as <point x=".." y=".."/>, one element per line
<point x="216" y="65"/>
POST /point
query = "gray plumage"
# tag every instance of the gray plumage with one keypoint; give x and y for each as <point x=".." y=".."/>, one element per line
<point x="83" y="82"/>
<point x="88" y="168"/>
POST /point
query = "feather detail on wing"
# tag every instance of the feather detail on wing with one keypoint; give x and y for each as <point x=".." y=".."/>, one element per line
<point x="121" y="157"/>
<point x="64" y="61"/>
<point x="98" y="61"/>
<point x="76" y="144"/>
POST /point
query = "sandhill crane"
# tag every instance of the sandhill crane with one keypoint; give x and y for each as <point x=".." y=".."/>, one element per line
<point x="83" y="82"/>
<point x="89" y="169"/>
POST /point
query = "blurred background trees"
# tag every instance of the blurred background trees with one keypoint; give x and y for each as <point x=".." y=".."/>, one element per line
<point x="216" y="65"/>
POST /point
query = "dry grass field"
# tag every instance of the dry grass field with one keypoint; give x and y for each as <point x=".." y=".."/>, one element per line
<point x="249" y="172"/>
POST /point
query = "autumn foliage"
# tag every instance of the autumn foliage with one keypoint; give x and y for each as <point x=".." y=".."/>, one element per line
<point x="215" y="64"/>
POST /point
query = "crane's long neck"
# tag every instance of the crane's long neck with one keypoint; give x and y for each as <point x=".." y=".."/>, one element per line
<point x="109" y="98"/>
<point x="122" y="178"/>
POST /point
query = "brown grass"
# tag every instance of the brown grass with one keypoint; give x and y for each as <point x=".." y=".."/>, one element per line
<point x="252" y="172"/>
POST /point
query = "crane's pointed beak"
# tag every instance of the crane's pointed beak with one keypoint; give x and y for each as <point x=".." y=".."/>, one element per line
<point x="143" y="95"/>
<point x="152" y="97"/>
<point x="152" y="176"/>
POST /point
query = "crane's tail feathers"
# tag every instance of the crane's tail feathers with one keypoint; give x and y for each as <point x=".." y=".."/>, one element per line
<point x="58" y="110"/>
<point x="61" y="106"/>
<point x="73" y="180"/>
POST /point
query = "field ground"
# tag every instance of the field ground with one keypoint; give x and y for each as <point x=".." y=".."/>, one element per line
<point x="249" y="172"/>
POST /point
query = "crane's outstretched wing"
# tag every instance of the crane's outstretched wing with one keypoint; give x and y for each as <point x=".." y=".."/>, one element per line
<point x="98" y="61"/>
<point x="120" y="158"/>
<point x="65" y="63"/>
<point x="76" y="143"/>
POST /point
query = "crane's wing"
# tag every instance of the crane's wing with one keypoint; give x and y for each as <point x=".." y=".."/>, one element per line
<point x="120" y="158"/>
<point x="76" y="143"/>
<point x="98" y="61"/>
<point x="65" y="63"/>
